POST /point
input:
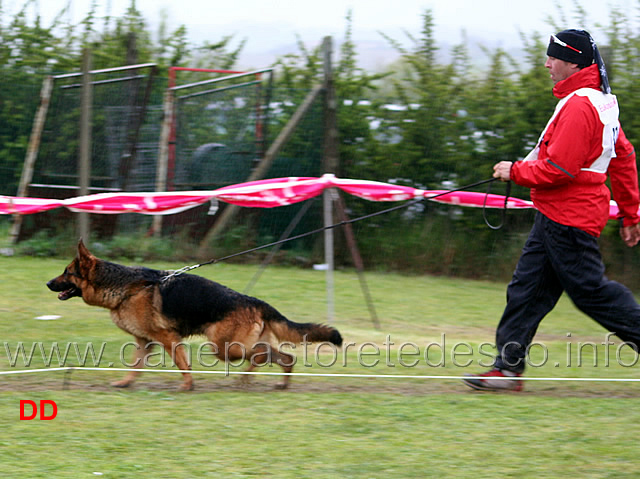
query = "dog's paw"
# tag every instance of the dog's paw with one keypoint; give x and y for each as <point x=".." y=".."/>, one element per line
<point x="244" y="381"/>
<point x="184" y="387"/>
<point x="281" y="386"/>
<point x="124" y="383"/>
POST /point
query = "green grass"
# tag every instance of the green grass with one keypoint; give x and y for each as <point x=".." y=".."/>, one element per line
<point x="323" y="427"/>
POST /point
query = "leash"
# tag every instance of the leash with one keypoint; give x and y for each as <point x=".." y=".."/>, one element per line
<point x="186" y="269"/>
<point x="504" y="208"/>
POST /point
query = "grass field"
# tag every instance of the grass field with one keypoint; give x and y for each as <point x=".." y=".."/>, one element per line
<point x="322" y="427"/>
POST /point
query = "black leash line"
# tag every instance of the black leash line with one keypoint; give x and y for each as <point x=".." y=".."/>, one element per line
<point x="504" y="208"/>
<point x="342" y="223"/>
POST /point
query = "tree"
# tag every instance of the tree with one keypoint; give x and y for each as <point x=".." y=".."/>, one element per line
<point x="427" y="136"/>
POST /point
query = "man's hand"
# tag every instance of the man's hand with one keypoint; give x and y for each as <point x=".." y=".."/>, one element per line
<point x="502" y="170"/>
<point x="630" y="234"/>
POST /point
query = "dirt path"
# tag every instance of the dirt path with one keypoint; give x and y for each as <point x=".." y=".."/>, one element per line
<point x="94" y="381"/>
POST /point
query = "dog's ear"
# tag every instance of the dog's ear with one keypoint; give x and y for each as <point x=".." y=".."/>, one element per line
<point x="83" y="252"/>
<point x="84" y="260"/>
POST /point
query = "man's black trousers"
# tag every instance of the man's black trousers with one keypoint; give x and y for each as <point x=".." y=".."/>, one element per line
<point x="559" y="258"/>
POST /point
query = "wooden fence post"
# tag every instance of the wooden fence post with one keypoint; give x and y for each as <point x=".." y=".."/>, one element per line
<point x="32" y="152"/>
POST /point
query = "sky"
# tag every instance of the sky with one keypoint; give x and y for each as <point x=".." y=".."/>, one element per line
<point x="271" y="27"/>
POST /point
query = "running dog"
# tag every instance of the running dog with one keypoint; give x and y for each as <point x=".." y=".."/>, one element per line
<point x="157" y="308"/>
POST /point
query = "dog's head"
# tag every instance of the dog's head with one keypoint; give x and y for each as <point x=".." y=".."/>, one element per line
<point x="75" y="276"/>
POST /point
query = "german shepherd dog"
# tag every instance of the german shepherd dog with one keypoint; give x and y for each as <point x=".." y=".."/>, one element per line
<point x="160" y="310"/>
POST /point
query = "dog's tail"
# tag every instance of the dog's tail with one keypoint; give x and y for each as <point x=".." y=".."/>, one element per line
<point x="286" y="330"/>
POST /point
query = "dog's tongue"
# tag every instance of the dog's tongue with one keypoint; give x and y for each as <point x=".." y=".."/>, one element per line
<point x="64" y="295"/>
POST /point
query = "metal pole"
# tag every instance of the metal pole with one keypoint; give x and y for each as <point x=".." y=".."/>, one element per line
<point x="85" y="141"/>
<point x="327" y="199"/>
<point x="330" y="164"/>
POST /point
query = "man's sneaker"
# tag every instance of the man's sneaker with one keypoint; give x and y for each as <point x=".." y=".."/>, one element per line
<point x="489" y="381"/>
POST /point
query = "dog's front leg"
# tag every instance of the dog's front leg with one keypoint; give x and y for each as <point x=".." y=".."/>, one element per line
<point x="173" y="344"/>
<point x="143" y="348"/>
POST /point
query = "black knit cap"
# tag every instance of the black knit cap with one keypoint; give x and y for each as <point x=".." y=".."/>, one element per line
<point x="578" y="47"/>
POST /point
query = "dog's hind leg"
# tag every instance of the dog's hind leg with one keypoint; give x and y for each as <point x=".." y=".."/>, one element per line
<point x="173" y="344"/>
<point x="286" y="362"/>
<point x="143" y="348"/>
<point x="263" y="353"/>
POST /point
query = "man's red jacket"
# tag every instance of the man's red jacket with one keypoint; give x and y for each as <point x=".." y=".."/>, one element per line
<point x="567" y="179"/>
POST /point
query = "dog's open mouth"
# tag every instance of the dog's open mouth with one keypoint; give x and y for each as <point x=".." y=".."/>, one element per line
<point x="69" y="293"/>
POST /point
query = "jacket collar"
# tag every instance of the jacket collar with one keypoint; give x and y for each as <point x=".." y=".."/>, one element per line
<point x="586" y="78"/>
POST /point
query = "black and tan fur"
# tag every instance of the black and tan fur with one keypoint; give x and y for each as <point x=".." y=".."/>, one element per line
<point x="165" y="312"/>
